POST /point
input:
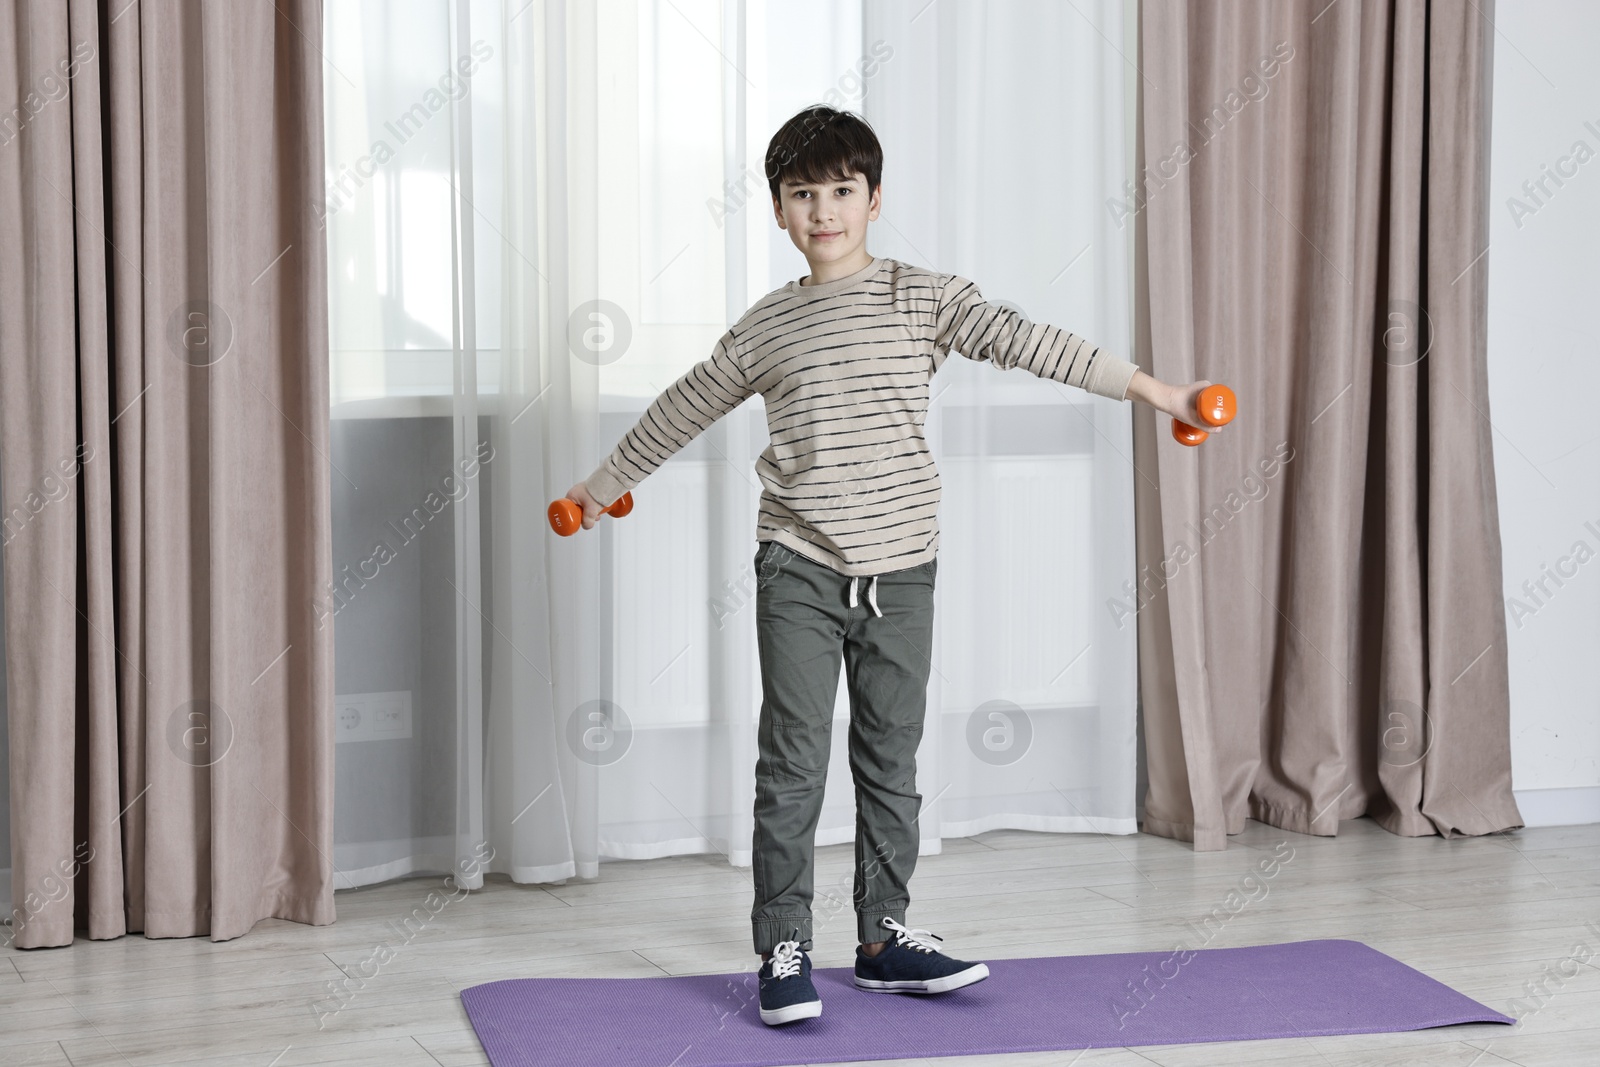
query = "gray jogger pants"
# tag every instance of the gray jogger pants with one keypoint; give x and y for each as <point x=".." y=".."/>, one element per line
<point x="805" y="625"/>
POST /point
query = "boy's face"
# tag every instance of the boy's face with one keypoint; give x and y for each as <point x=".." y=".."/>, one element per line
<point x="827" y="221"/>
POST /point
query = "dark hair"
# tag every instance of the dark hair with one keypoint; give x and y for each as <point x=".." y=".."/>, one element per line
<point x="821" y="144"/>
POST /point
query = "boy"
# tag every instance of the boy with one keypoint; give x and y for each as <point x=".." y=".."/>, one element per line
<point x="843" y="358"/>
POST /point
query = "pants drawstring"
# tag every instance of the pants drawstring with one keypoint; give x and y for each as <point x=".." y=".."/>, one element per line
<point x="872" y="594"/>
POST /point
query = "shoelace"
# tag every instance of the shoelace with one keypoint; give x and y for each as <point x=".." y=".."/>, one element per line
<point x="786" y="959"/>
<point x="917" y="939"/>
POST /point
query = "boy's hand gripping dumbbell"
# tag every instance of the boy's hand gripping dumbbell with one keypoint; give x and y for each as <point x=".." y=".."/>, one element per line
<point x="567" y="514"/>
<point x="1215" y="406"/>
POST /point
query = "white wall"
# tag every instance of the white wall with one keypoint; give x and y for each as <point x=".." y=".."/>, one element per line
<point x="1544" y="381"/>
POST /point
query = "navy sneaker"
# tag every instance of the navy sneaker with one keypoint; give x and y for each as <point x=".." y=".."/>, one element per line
<point x="786" y="990"/>
<point x="908" y="963"/>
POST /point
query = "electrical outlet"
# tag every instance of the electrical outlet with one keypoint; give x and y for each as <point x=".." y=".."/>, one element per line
<point x="350" y="716"/>
<point x="372" y="716"/>
<point x="391" y="715"/>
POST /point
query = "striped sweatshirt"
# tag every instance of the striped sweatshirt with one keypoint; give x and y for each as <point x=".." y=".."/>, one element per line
<point x="844" y="368"/>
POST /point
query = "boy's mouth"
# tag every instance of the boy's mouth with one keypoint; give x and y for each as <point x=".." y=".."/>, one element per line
<point x="825" y="235"/>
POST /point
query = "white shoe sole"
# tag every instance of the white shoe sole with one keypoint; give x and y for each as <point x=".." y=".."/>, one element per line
<point x="807" y="1009"/>
<point x="976" y="973"/>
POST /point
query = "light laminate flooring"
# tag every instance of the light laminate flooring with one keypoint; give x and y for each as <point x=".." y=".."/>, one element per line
<point x="1486" y="915"/>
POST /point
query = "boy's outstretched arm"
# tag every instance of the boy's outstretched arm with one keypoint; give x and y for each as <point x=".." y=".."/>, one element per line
<point x="702" y="395"/>
<point x="996" y="334"/>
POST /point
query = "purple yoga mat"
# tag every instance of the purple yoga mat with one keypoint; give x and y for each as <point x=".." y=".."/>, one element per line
<point x="1299" y="989"/>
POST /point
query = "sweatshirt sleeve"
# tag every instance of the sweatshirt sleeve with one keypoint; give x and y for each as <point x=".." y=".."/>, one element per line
<point x="980" y="330"/>
<point x="685" y="409"/>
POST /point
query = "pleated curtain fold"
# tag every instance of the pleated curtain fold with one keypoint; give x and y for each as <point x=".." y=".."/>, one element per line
<point x="165" y="472"/>
<point x="1321" y="627"/>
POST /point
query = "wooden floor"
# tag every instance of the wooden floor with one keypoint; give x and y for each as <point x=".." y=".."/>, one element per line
<point x="1484" y="915"/>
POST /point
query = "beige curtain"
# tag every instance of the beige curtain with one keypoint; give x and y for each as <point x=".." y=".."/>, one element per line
<point x="1319" y="605"/>
<point x="164" y="411"/>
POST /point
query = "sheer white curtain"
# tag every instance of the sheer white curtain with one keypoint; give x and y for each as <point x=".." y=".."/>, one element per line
<point x="522" y="258"/>
<point x="1004" y="127"/>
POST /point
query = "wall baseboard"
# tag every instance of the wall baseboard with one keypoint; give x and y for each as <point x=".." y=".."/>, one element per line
<point x="1558" y="807"/>
<point x="1539" y="807"/>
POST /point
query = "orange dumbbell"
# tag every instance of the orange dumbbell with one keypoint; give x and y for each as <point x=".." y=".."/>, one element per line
<point x="1216" y="406"/>
<point x="566" y="516"/>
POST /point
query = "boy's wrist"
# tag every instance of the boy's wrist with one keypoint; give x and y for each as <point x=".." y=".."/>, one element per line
<point x="1148" y="389"/>
<point x="604" y="486"/>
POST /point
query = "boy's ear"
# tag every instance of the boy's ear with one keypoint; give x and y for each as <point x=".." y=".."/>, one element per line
<point x="777" y="212"/>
